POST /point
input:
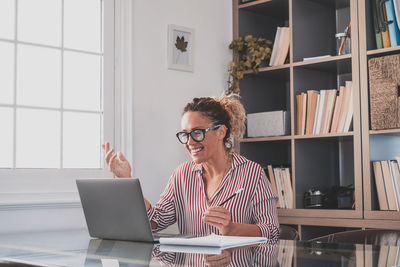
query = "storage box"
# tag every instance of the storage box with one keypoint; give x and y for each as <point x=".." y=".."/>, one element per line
<point x="270" y="123"/>
<point x="384" y="89"/>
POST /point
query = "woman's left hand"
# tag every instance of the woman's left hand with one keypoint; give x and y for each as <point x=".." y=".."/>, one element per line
<point x="220" y="218"/>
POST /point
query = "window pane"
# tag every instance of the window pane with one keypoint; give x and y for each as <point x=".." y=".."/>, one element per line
<point x="81" y="140"/>
<point x="38" y="76"/>
<point x="82" y="24"/>
<point x="6" y="72"/>
<point x="82" y="81"/>
<point x="39" y="21"/>
<point x="6" y="137"/>
<point x="38" y="138"/>
<point x="7" y="17"/>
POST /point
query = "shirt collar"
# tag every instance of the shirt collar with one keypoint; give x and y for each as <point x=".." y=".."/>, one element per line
<point x="237" y="160"/>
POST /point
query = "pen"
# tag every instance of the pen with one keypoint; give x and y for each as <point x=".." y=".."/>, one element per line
<point x="234" y="194"/>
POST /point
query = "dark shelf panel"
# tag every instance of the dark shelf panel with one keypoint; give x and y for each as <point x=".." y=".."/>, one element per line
<point x="272" y="8"/>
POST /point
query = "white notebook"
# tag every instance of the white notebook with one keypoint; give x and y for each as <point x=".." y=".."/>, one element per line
<point x="213" y="240"/>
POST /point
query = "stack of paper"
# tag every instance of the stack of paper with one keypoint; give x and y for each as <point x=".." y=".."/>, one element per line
<point x="213" y="240"/>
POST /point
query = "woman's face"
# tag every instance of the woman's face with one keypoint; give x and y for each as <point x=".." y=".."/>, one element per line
<point x="204" y="150"/>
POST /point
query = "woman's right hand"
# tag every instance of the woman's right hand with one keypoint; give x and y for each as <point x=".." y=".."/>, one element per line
<point x="116" y="163"/>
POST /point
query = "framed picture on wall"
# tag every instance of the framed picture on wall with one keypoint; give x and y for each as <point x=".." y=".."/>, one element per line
<point x="180" y="48"/>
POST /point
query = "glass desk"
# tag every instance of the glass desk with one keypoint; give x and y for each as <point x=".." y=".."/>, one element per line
<point x="76" y="248"/>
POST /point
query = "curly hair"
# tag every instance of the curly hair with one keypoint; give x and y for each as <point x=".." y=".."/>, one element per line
<point x="226" y="110"/>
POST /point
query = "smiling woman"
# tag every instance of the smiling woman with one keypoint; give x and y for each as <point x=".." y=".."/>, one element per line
<point x="196" y="192"/>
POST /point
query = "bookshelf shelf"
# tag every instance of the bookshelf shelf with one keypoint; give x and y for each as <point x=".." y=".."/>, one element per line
<point x="322" y="60"/>
<point x="265" y="139"/>
<point x="383" y="51"/>
<point x="389" y="131"/>
<point x="268" y="69"/>
<point x="330" y="135"/>
<point x="254" y="3"/>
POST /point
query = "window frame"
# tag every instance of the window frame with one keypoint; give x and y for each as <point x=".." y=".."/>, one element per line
<point x="32" y="180"/>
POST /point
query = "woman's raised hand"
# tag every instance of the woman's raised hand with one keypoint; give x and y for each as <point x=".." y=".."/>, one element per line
<point x="116" y="163"/>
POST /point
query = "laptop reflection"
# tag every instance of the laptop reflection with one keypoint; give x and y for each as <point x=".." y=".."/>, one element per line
<point x="109" y="253"/>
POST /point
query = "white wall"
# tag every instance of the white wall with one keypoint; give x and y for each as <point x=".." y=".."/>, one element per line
<point x="159" y="93"/>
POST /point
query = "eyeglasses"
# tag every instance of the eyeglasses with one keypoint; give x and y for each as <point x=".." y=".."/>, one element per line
<point x="197" y="135"/>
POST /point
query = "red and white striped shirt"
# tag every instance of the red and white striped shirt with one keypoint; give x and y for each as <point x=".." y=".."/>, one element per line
<point x="184" y="200"/>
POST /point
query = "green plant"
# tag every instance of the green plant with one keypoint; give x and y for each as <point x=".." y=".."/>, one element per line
<point x="248" y="54"/>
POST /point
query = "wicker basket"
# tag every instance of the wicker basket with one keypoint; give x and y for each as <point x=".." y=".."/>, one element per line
<point x="384" y="81"/>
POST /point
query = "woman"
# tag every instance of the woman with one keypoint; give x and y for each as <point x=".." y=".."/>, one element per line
<point x="196" y="189"/>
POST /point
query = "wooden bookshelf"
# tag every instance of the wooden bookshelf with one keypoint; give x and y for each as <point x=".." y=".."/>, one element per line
<point x="377" y="144"/>
<point x="334" y="159"/>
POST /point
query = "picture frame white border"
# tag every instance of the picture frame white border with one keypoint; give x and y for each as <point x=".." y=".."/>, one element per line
<point x="170" y="47"/>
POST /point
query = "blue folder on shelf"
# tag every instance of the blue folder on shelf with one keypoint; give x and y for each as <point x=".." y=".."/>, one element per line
<point x="394" y="31"/>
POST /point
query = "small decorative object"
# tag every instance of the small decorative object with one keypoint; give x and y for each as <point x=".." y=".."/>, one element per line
<point x="180" y="48"/>
<point x="343" y="41"/>
<point x="271" y="123"/>
<point x="248" y="54"/>
<point x="314" y="199"/>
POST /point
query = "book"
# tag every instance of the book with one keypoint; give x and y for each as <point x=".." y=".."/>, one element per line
<point x="396" y="179"/>
<point x="376" y="24"/>
<point x="389" y="186"/>
<point x="394" y="31"/>
<point x="312" y="96"/>
<point x="396" y="4"/>
<point x="303" y="113"/>
<point x="273" y="183"/>
<point x="349" y="113"/>
<point x="279" y="187"/>
<point x="299" y="103"/>
<point x="380" y="185"/>
<point x="288" y="188"/>
<point x="320" y="111"/>
<point x="328" y="110"/>
<point x="275" y="47"/>
<point x="315" y="58"/>
<point x="385" y="31"/>
<point x="316" y="115"/>
<point x="336" y="112"/>
<point x="213" y="240"/>
<point x="284" y="44"/>
<point x="345" y="108"/>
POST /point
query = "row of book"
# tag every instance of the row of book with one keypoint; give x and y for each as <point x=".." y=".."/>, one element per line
<point x="280" y="49"/>
<point x="325" y="111"/>
<point x="282" y="186"/>
<point x="387" y="181"/>
<point x="386" y="22"/>
<point x="388" y="256"/>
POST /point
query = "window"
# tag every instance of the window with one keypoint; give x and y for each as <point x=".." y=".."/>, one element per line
<point x="56" y="84"/>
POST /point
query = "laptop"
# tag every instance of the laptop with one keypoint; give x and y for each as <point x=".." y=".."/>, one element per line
<point x="115" y="209"/>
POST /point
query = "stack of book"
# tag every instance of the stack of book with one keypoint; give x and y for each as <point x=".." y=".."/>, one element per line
<point x="282" y="186"/>
<point x="386" y="22"/>
<point x="325" y="111"/>
<point x="281" y="46"/>
<point x="388" y="256"/>
<point x="387" y="181"/>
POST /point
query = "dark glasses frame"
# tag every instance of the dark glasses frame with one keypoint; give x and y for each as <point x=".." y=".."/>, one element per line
<point x="193" y="136"/>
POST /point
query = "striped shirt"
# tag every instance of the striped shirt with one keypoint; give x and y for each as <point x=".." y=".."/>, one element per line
<point x="184" y="200"/>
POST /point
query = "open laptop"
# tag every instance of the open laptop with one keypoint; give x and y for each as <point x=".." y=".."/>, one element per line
<point x="115" y="209"/>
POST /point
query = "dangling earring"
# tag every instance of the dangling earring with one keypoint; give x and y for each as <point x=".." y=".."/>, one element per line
<point x="229" y="143"/>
